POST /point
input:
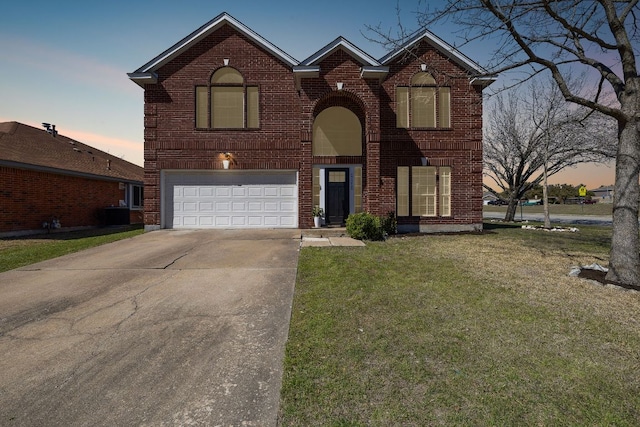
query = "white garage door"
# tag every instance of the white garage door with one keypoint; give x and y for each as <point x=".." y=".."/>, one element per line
<point x="231" y="199"/>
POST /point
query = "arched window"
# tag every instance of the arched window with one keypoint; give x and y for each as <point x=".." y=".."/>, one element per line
<point x="227" y="103"/>
<point x="423" y="104"/>
<point x="337" y="131"/>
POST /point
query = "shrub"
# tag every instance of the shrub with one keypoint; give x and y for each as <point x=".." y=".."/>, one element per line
<point x="364" y="226"/>
<point x="389" y="224"/>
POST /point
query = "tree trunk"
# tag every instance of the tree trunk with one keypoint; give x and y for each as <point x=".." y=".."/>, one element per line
<point x="511" y="210"/>
<point x="545" y="190"/>
<point x="624" y="260"/>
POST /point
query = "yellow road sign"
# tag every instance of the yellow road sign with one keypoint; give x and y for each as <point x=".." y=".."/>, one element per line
<point x="582" y="191"/>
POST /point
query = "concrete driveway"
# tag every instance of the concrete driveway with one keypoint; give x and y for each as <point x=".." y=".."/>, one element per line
<point x="167" y="328"/>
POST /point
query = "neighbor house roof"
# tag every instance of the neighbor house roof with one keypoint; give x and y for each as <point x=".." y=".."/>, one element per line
<point x="28" y="147"/>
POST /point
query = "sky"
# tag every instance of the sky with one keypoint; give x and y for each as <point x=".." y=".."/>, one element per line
<point x="66" y="62"/>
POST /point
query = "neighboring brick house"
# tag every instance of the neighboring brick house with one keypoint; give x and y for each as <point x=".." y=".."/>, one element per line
<point x="49" y="178"/>
<point x="340" y="130"/>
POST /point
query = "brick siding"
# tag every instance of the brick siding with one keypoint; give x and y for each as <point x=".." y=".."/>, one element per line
<point x="283" y="140"/>
<point x="29" y="198"/>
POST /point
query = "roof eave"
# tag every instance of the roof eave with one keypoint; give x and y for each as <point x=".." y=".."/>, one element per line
<point x="305" y="72"/>
<point x="69" y="172"/>
<point x="142" y="79"/>
<point x="374" y="72"/>
<point x="483" y="81"/>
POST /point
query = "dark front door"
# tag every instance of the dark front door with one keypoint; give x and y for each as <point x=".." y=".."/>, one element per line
<point x="337" y="194"/>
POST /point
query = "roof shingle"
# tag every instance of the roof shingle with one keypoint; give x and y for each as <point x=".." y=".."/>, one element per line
<point x="23" y="144"/>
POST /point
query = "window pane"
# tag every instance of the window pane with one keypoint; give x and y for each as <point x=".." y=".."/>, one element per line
<point x="227" y="76"/>
<point x="445" y="107"/>
<point x="422" y="79"/>
<point x="424" y="191"/>
<point x="402" y="107"/>
<point x="337" y="132"/>
<point x="402" y="194"/>
<point x="227" y="107"/>
<point x="423" y="107"/>
<point x="202" y="107"/>
<point x="357" y="189"/>
<point x="445" y="191"/>
<point x="252" y="107"/>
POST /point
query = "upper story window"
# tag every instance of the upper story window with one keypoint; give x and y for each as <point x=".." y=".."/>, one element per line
<point x="337" y="131"/>
<point x="227" y="103"/>
<point x="423" y="104"/>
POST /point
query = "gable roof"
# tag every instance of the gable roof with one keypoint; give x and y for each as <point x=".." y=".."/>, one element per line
<point x="473" y="68"/>
<point x="370" y="67"/>
<point x="28" y="147"/>
<point x="341" y="43"/>
<point x="309" y="68"/>
<point x="147" y="73"/>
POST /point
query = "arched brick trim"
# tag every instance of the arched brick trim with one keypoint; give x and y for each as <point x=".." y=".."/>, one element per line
<point x="349" y="101"/>
<point x="344" y="99"/>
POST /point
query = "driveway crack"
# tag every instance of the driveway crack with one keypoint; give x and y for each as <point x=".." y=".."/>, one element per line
<point x="175" y="260"/>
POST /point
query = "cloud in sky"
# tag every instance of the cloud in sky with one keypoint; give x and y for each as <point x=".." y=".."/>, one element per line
<point x="68" y="65"/>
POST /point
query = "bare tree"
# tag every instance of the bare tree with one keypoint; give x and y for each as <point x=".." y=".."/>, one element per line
<point x="598" y="37"/>
<point x="532" y="135"/>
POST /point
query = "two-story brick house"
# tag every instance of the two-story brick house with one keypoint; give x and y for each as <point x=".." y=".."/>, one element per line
<point x="340" y="130"/>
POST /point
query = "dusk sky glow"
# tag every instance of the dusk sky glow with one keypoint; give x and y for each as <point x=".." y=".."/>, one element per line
<point x="66" y="63"/>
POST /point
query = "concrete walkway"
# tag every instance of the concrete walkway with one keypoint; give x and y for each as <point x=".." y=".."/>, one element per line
<point x="330" y="241"/>
<point x="166" y="328"/>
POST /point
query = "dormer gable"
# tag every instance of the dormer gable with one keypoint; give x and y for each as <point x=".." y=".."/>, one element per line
<point x="369" y="66"/>
<point x="478" y="75"/>
<point x="147" y="74"/>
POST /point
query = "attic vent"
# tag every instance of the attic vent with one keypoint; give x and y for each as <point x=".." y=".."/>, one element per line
<point x="51" y="129"/>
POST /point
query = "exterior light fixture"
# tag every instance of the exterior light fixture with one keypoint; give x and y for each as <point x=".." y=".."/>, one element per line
<point x="424" y="161"/>
<point x="339" y="85"/>
<point x="227" y="159"/>
<point x="225" y="61"/>
<point x="423" y="67"/>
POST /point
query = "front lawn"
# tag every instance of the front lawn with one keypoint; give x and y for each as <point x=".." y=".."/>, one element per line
<point x="468" y="329"/>
<point x="20" y="251"/>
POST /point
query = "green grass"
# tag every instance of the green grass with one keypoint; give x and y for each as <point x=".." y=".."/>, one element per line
<point x="466" y="329"/>
<point x="18" y="252"/>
